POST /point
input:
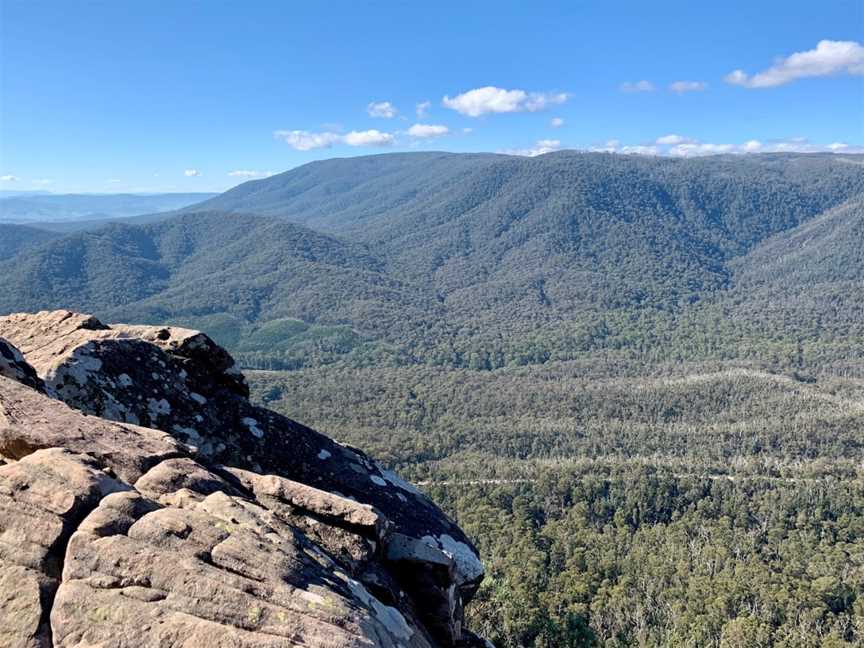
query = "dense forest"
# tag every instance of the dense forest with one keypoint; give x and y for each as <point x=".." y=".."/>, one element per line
<point x="700" y="505"/>
<point x="637" y="382"/>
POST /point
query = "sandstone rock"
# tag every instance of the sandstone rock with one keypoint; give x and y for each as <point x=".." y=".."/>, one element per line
<point x="237" y="526"/>
<point x="30" y="421"/>
<point x="221" y="574"/>
<point x="42" y="498"/>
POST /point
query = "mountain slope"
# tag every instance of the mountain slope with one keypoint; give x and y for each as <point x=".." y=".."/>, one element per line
<point x="228" y="271"/>
<point x="469" y="260"/>
<point x="588" y="227"/>
<point x="15" y="238"/>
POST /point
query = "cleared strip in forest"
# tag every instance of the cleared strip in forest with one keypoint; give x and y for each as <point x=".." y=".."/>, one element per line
<point x="732" y="478"/>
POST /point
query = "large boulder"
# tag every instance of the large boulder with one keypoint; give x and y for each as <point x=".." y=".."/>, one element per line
<point x="215" y="520"/>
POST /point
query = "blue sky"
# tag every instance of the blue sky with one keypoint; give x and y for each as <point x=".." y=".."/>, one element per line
<point x="184" y="96"/>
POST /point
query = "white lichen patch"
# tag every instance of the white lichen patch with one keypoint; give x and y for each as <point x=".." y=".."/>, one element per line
<point x="397" y="481"/>
<point x="157" y="408"/>
<point x="79" y="367"/>
<point x="190" y="433"/>
<point x="468" y="565"/>
<point x="387" y="616"/>
<point x="324" y="454"/>
<point x="125" y="380"/>
<point x="198" y="398"/>
<point x="252" y="424"/>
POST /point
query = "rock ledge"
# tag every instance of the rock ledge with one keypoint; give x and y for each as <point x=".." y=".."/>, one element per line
<point x="144" y="501"/>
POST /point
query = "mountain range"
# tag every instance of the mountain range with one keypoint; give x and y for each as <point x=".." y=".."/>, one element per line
<point x="637" y="383"/>
<point x="469" y="259"/>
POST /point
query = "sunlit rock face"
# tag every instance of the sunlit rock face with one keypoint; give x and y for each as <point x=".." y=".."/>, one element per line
<point x="145" y="501"/>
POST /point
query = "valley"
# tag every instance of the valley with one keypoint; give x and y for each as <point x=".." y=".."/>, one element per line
<point x="637" y="382"/>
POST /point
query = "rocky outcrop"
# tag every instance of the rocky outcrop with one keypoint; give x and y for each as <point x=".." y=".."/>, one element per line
<point x="12" y="365"/>
<point x="145" y="501"/>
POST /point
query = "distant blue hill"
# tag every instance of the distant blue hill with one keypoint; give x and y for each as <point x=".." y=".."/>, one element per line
<point x="44" y="207"/>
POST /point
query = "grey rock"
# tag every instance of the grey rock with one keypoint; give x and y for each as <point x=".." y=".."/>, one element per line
<point x="199" y="518"/>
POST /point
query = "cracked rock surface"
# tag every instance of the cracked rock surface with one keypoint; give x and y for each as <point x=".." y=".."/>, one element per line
<point x="144" y="501"/>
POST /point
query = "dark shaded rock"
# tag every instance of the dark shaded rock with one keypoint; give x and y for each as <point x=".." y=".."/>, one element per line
<point x="13" y="365"/>
<point x="30" y="421"/>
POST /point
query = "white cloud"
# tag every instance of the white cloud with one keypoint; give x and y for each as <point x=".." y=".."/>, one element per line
<point x="828" y="59"/>
<point x="43" y="181"/>
<point x="693" y="149"/>
<point x="556" y="122"/>
<point x="637" y="86"/>
<point x="305" y="141"/>
<point x="687" y="86"/>
<point x="367" y="138"/>
<point x="9" y="178"/>
<point x="540" y="147"/>
<point x="422" y="108"/>
<point x="241" y="173"/>
<point x="673" y="139"/>
<point x="467" y="130"/>
<point x="192" y="173"/>
<point x="427" y="130"/>
<point x="679" y="146"/>
<point x="489" y="99"/>
<point x="736" y="77"/>
<point x="383" y="109"/>
<point x="614" y="146"/>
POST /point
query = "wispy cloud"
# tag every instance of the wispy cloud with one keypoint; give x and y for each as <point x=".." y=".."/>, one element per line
<point x="830" y="58"/>
<point x="243" y="173"/>
<point x="636" y="86"/>
<point x="422" y="108"/>
<point x="673" y="139"/>
<point x="687" y="86"/>
<point x="680" y="146"/>
<point x="301" y="140"/>
<point x="9" y="178"/>
<point x="191" y="173"/>
<point x="490" y="99"/>
<point x="556" y="122"/>
<point x="305" y="141"/>
<point x="540" y="147"/>
<point x="42" y="181"/>
<point x="383" y="109"/>
<point x="423" y="131"/>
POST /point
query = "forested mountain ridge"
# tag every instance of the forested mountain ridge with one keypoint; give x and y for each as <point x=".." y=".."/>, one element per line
<point x="15" y="238"/>
<point x="223" y="269"/>
<point x="464" y="260"/>
<point x="638" y="382"/>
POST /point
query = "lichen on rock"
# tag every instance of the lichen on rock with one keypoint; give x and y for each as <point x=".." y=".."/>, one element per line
<point x="146" y="501"/>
